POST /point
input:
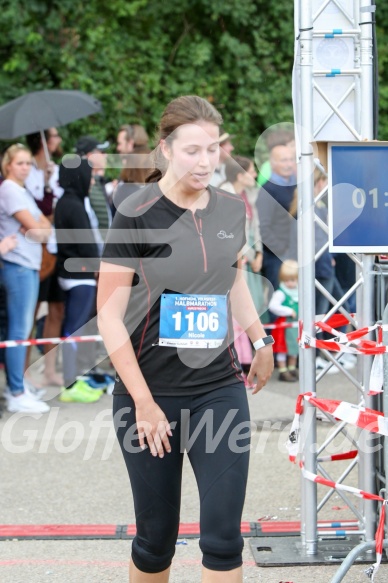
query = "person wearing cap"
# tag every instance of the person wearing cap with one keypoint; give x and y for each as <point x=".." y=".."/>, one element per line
<point x="93" y="150"/>
<point x="226" y="149"/>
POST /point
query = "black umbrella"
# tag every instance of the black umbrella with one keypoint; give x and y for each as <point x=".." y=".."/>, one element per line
<point x="41" y="110"/>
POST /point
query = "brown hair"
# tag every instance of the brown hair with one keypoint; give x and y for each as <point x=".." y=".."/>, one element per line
<point x="235" y="165"/>
<point x="140" y="136"/>
<point x="10" y="154"/>
<point x="180" y="111"/>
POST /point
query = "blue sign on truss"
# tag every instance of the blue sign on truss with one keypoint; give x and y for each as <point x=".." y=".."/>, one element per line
<point x="358" y="197"/>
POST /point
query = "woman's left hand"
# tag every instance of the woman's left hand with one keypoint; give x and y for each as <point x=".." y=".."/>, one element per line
<point x="261" y="368"/>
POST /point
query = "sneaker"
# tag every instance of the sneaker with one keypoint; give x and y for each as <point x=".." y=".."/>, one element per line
<point x="99" y="381"/>
<point x="34" y="392"/>
<point x="29" y="389"/>
<point x="287" y="377"/>
<point x="80" y="392"/>
<point x="295" y="373"/>
<point x="109" y="388"/>
<point x="24" y="403"/>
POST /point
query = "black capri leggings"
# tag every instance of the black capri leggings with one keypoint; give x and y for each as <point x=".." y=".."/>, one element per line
<point x="214" y="429"/>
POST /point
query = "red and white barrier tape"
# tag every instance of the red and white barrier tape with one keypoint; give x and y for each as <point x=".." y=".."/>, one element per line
<point x="362" y="417"/>
<point x="338" y="486"/>
<point x="379" y="537"/>
<point x="36" y="341"/>
<point x="97" y="338"/>
<point x="349" y="455"/>
<point x="350" y="342"/>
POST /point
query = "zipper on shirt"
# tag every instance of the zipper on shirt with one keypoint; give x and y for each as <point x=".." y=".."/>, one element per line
<point x="198" y="226"/>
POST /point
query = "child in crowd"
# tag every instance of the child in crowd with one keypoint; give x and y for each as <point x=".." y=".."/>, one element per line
<point x="284" y="304"/>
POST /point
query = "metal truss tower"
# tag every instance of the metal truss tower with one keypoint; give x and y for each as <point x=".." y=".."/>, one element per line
<point x="334" y="101"/>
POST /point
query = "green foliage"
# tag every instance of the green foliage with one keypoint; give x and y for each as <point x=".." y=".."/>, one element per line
<point x="136" y="55"/>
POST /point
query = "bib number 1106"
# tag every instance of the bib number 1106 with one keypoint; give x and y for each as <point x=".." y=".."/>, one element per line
<point x="193" y="321"/>
<point x="200" y="321"/>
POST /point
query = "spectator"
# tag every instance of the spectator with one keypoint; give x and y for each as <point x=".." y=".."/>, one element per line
<point x="100" y="211"/>
<point x="226" y="148"/>
<point x="284" y="304"/>
<point x="131" y="139"/>
<point x="42" y="180"/>
<point x="278" y="137"/>
<point x="19" y="214"/>
<point x="240" y="174"/>
<point x="42" y="183"/>
<point x="77" y="258"/>
<point x="125" y="140"/>
<point x="273" y="205"/>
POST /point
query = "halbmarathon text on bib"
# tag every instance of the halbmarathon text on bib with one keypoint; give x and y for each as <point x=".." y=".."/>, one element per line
<point x="193" y="321"/>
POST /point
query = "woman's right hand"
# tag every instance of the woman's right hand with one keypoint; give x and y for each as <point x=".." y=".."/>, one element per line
<point x="7" y="244"/>
<point x="153" y="427"/>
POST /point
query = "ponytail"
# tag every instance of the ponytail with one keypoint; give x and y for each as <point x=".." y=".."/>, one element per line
<point x="155" y="176"/>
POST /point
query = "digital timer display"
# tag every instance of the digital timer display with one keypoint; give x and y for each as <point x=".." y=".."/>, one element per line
<point x="358" y="197"/>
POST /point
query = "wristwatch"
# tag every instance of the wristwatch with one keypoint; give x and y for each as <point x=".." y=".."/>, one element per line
<point x="263" y="342"/>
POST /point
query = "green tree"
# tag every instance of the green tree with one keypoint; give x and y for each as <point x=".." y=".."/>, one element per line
<point x="137" y="55"/>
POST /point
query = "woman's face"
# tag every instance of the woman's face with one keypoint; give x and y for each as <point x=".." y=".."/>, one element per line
<point x="19" y="167"/>
<point x="193" y="155"/>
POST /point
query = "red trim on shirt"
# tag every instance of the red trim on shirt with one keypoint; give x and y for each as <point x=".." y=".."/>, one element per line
<point x="235" y="197"/>
<point x="199" y="231"/>
<point x="147" y="203"/>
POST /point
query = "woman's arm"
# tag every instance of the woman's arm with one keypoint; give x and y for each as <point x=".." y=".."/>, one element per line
<point x="38" y="229"/>
<point x="243" y="309"/>
<point x="114" y="291"/>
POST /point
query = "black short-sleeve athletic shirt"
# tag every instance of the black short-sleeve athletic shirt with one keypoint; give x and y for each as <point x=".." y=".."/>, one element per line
<point x="175" y="251"/>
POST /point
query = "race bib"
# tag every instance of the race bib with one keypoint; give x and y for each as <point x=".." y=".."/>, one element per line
<point x="193" y="321"/>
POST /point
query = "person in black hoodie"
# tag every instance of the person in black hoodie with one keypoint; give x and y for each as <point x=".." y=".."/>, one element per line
<point x="78" y="257"/>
